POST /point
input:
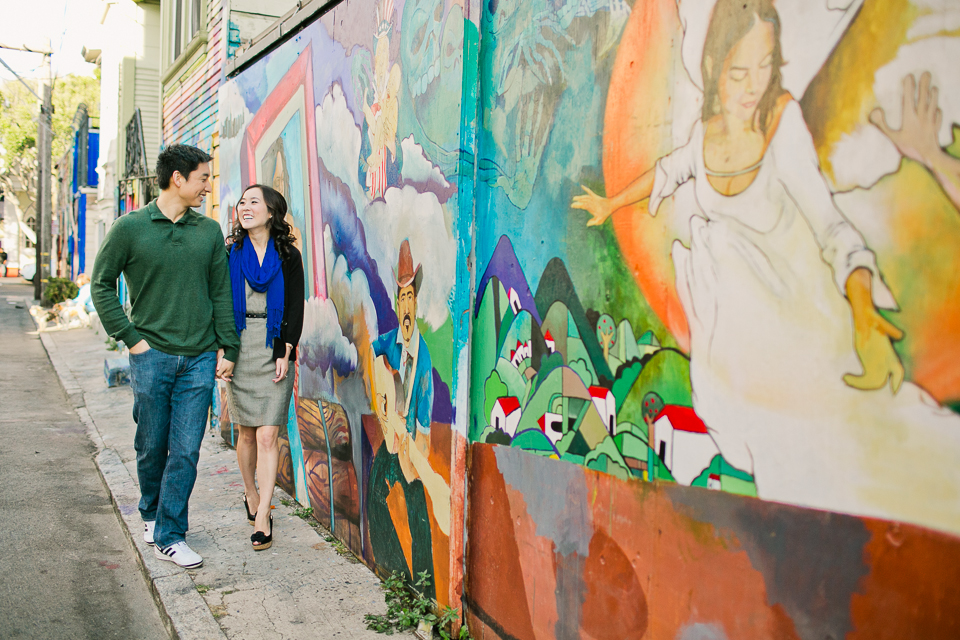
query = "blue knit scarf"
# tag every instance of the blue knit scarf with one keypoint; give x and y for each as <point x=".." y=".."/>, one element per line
<point x="244" y="266"/>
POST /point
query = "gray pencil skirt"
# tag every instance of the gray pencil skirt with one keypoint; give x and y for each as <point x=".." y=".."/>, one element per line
<point x="253" y="398"/>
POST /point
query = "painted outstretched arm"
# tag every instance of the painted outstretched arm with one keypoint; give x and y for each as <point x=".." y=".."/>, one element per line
<point x="601" y="208"/>
<point x="917" y="137"/>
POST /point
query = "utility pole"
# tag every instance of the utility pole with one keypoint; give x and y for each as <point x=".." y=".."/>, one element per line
<point x="44" y="196"/>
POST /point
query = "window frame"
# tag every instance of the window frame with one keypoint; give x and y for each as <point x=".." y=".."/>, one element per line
<point x="184" y="33"/>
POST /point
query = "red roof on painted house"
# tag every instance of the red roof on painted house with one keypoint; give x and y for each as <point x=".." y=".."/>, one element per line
<point x="599" y="392"/>
<point x="683" y="418"/>
<point x="508" y="404"/>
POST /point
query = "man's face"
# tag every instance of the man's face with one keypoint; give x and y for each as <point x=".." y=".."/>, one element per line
<point x="194" y="187"/>
<point x="407" y="311"/>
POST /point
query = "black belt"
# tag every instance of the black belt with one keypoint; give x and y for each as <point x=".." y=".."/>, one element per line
<point x="257" y="315"/>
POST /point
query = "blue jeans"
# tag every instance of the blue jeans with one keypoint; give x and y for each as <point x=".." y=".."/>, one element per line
<point x="171" y="398"/>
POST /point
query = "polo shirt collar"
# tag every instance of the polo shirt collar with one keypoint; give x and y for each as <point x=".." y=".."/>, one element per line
<point x="190" y="217"/>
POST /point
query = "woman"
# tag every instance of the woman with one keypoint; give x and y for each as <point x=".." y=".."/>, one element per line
<point x="781" y="296"/>
<point x="267" y="278"/>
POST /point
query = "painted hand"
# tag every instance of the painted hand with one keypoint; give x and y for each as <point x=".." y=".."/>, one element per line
<point x="873" y="340"/>
<point x="597" y="206"/>
<point x="380" y="406"/>
<point x="917" y="136"/>
<point x="282" y="365"/>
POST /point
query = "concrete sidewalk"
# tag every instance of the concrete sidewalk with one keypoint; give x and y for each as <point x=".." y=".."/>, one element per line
<point x="300" y="588"/>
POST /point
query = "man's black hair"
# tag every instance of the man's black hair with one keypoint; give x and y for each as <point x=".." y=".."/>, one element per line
<point x="178" y="157"/>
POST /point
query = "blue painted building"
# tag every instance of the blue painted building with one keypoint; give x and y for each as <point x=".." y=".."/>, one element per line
<point x="83" y="183"/>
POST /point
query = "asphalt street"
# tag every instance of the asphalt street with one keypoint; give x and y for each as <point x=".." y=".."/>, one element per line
<point x="67" y="569"/>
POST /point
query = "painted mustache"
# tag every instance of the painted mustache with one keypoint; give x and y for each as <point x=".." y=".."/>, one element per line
<point x="407" y="319"/>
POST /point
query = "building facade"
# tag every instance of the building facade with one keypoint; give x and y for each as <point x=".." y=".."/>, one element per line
<point x="128" y="55"/>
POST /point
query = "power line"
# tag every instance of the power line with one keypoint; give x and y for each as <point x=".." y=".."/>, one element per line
<point x="20" y="79"/>
<point x="25" y="48"/>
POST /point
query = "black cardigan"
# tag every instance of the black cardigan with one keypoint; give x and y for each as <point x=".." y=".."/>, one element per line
<point x="292" y="324"/>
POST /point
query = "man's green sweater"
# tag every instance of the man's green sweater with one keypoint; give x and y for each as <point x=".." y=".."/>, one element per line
<point x="179" y="283"/>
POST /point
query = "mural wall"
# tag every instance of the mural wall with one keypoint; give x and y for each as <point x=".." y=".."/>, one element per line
<point x="677" y="277"/>
<point x="357" y="121"/>
<point x="716" y="250"/>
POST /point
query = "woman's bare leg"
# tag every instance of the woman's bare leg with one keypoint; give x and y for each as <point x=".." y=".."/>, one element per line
<point x="268" y="459"/>
<point x="247" y="461"/>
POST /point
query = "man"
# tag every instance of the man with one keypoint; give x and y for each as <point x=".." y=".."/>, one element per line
<point x="175" y="267"/>
<point x="3" y="262"/>
<point x="406" y="352"/>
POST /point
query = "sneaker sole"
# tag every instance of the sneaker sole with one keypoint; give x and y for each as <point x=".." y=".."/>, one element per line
<point x="162" y="556"/>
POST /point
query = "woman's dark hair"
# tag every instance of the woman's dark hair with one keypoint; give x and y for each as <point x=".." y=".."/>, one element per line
<point x="280" y="230"/>
<point x="730" y="22"/>
<point x="178" y="157"/>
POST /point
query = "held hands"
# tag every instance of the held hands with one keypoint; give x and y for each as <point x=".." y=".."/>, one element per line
<point x="224" y="367"/>
<point x="598" y="207"/>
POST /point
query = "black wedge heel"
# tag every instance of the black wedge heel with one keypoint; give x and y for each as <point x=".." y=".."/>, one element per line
<point x="251" y="517"/>
<point x="261" y="540"/>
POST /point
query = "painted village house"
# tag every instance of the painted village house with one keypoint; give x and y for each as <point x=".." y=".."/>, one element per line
<point x="658" y="388"/>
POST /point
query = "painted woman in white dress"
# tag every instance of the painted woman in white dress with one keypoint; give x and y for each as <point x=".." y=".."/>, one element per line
<point x="782" y="294"/>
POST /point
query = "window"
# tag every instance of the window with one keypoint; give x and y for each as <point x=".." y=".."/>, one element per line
<point x="184" y="26"/>
<point x="177" y="30"/>
<point x="194" y="18"/>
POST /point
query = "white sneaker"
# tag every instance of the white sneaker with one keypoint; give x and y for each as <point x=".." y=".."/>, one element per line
<point x="148" y="531"/>
<point x="180" y="554"/>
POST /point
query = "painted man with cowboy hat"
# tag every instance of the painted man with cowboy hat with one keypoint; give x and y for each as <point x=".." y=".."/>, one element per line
<point x="406" y="352"/>
<point x="403" y="386"/>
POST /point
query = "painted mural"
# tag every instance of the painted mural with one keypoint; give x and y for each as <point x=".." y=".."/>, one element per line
<point x="716" y="250"/>
<point x="750" y="318"/>
<point x="357" y="121"/>
<point x="678" y="275"/>
<point x="590" y="556"/>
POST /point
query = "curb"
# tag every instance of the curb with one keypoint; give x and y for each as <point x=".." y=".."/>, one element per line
<point x="183" y="610"/>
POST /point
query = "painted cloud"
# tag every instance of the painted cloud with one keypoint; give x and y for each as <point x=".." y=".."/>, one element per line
<point x="407" y="214"/>
<point x="338" y="141"/>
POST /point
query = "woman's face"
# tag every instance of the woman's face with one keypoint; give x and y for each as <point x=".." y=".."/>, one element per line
<point x="252" y="210"/>
<point x="746" y="72"/>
